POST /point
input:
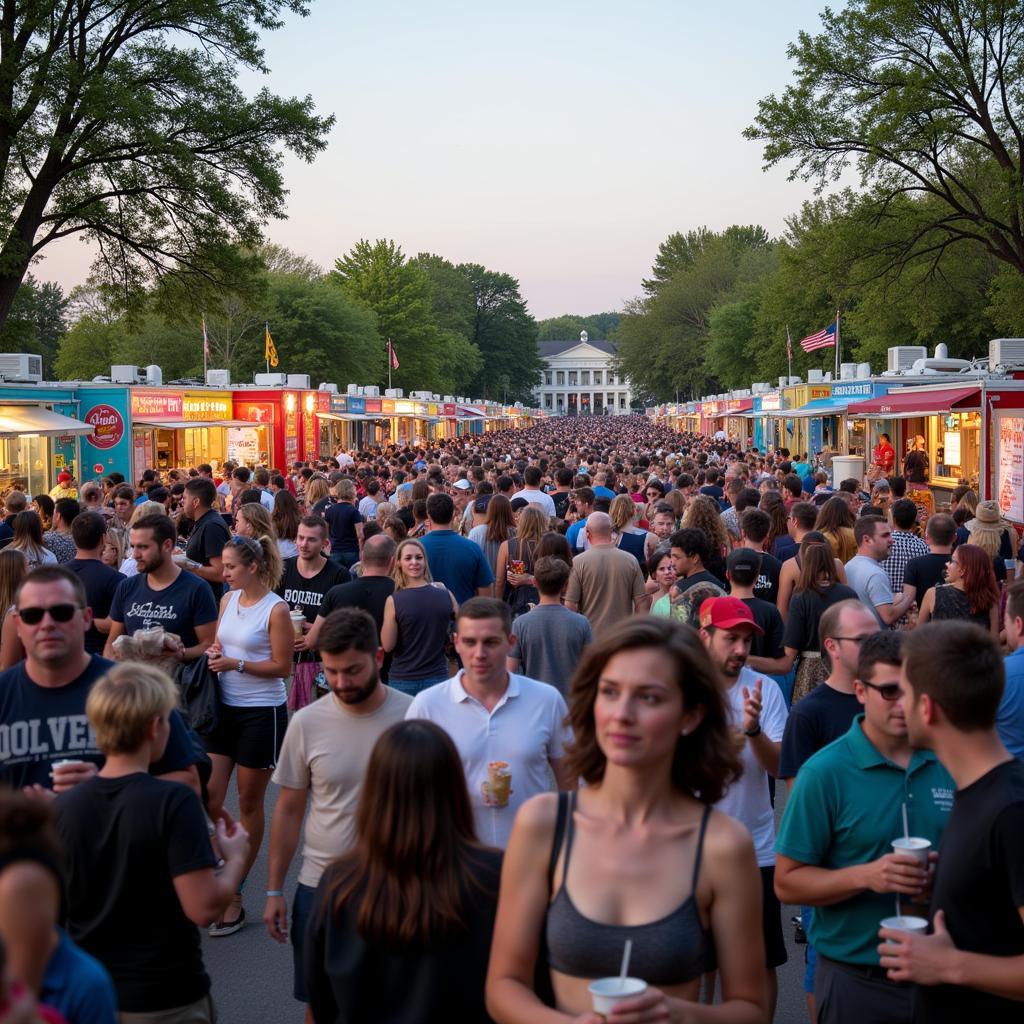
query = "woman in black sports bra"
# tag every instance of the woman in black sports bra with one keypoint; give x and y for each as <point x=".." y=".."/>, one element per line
<point x="636" y="854"/>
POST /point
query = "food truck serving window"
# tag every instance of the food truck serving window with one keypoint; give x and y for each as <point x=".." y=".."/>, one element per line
<point x="954" y="441"/>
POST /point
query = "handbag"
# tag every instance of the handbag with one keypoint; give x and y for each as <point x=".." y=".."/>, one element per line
<point x="199" y="694"/>
<point x="305" y="683"/>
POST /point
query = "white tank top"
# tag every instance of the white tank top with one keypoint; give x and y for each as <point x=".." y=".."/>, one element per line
<point x="244" y="635"/>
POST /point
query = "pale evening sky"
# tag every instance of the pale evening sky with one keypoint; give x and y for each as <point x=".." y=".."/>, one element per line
<point x="557" y="141"/>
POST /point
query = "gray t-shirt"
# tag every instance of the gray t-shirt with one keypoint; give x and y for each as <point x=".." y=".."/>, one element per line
<point x="871" y="582"/>
<point x="549" y="642"/>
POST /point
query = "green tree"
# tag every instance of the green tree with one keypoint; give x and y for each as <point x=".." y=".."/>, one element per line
<point x="37" y="321"/>
<point x="380" y="278"/>
<point x="505" y="335"/>
<point x="89" y="349"/>
<point x="681" y="252"/>
<point x="125" y="122"/>
<point x="600" y="327"/>
<point x="924" y="100"/>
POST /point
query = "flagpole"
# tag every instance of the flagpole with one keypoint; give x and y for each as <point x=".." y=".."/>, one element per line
<point x="389" y="364"/>
<point x="789" y="350"/>
<point x="838" y="346"/>
<point x="266" y="334"/>
<point x="206" y="346"/>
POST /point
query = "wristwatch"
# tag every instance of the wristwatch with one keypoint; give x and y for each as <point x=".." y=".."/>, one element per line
<point x="241" y="668"/>
<point x="756" y="731"/>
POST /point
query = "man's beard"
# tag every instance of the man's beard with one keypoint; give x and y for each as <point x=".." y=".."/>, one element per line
<point x="357" y="696"/>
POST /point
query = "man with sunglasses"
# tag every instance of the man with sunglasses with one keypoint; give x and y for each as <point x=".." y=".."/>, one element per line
<point x="834" y="848"/>
<point x="42" y="698"/>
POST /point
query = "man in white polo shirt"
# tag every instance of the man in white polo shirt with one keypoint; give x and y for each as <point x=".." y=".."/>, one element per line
<point x="509" y="729"/>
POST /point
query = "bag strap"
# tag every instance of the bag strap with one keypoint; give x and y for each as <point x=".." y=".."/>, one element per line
<point x="556" y="841"/>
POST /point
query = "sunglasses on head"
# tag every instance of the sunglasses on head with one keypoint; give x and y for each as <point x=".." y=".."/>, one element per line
<point x="58" y="612"/>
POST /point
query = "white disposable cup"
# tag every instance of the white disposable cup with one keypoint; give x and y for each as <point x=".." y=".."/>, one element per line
<point x="915" y="846"/>
<point x="68" y="762"/>
<point x="905" y="923"/>
<point x="298" y="621"/>
<point x="606" y="993"/>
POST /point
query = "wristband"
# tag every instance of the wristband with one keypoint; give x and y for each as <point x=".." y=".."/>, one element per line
<point x="274" y="892"/>
<point x="756" y="731"/>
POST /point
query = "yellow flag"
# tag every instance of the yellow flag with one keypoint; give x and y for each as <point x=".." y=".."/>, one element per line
<point x="270" y="352"/>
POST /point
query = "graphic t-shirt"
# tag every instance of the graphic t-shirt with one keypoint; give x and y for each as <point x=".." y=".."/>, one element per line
<point x="206" y="542"/>
<point x="188" y="602"/>
<point x="307" y="593"/>
<point x="101" y="583"/>
<point x="42" y="724"/>
<point x="125" y="840"/>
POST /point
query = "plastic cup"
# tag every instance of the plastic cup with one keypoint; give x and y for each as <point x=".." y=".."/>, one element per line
<point x="67" y="762"/>
<point x="915" y="846"/>
<point x="905" y="923"/>
<point x="298" y="622"/>
<point x="151" y="641"/>
<point x="499" y="781"/>
<point x="606" y="993"/>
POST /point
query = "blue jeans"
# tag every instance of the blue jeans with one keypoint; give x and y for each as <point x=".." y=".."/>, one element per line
<point x="810" y="953"/>
<point x="414" y="686"/>
<point x="345" y="558"/>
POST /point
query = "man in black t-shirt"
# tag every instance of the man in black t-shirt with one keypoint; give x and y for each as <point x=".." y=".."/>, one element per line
<point x="972" y="966"/>
<point x="370" y="591"/>
<point x="754" y="529"/>
<point x="562" y="494"/>
<point x="132" y="841"/>
<point x="743" y="567"/>
<point x="927" y="571"/>
<point x="100" y="581"/>
<point x="209" y="534"/>
<point x="162" y="594"/>
<point x="310" y="574"/>
<point x="42" y="699"/>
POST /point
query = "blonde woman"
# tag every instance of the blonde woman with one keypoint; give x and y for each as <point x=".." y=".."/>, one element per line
<point x="417" y="617"/>
<point x="253" y="520"/>
<point x="252" y="654"/>
<point x="344" y="524"/>
<point x="516" y="557"/>
<point x="115" y="545"/>
<point x="318" y="495"/>
<point x="625" y="513"/>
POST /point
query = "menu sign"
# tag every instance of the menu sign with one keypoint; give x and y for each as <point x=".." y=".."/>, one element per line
<point x="1010" y="467"/>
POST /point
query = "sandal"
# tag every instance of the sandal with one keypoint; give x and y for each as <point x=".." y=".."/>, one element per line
<point x="223" y="928"/>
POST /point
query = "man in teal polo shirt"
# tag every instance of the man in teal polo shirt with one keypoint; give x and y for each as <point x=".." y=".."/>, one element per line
<point x="834" y="846"/>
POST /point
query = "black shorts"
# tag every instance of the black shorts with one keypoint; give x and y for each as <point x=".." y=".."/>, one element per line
<point x="251" y="737"/>
<point x="774" y="941"/>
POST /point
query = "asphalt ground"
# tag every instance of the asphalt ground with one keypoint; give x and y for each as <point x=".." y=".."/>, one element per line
<point x="252" y="974"/>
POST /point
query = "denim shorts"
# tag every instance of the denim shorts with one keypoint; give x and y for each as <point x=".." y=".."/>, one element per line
<point x="414" y="686"/>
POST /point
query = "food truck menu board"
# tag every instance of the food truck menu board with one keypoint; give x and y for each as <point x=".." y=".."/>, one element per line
<point x="1010" y="467"/>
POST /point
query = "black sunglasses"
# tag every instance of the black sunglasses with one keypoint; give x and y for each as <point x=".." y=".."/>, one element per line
<point x="889" y="691"/>
<point x="58" y="612"/>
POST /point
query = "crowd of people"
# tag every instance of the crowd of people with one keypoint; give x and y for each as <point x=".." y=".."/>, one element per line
<point x="525" y="703"/>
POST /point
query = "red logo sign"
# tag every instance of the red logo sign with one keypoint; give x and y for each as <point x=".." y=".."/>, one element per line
<point x="107" y="426"/>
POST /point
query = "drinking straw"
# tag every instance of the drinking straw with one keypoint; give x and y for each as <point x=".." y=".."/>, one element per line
<point x="899" y="912"/>
<point x="906" y="825"/>
<point x="626" y="953"/>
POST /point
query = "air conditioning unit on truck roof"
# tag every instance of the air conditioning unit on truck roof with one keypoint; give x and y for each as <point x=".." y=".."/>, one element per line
<point x="21" y="367"/>
<point x="1003" y="354"/>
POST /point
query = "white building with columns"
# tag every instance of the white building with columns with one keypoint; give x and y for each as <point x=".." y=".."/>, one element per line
<point x="579" y="379"/>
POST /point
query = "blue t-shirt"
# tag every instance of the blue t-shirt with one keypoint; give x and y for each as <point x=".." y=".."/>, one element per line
<point x="604" y="492"/>
<point x="1010" y="717"/>
<point x="77" y="985"/>
<point x="43" y="724"/>
<point x="188" y="602"/>
<point x="458" y="563"/>
<point x="808" y="483"/>
<point x="573" y="534"/>
<point x="802" y="469"/>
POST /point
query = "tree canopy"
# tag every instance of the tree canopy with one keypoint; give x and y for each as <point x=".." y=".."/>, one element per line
<point x="125" y="123"/>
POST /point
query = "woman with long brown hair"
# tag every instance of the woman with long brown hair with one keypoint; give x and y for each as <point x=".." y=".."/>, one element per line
<point x="516" y="558"/>
<point x="779" y="542"/>
<point x="495" y="530"/>
<point x="817" y="588"/>
<point x="971" y="592"/>
<point x="836" y="521"/>
<point x="285" y="517"/>
<point x="589" y="870"/>
<point x="403" y="922"/>
<point x="13" y="569"/>
<point x="28" y="539"/>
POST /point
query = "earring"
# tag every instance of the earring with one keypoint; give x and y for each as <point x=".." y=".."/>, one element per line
<point x="684" y="731"/>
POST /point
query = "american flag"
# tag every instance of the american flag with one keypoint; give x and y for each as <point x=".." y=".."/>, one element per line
<point x="823" y="339"/>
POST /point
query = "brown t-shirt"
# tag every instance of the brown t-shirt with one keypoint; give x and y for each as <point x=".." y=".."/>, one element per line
<point x="604" y="583"/>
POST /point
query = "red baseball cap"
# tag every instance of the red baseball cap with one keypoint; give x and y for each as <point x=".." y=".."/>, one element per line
<point x="726" y="613"/>
<point x="64" y="478"/>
